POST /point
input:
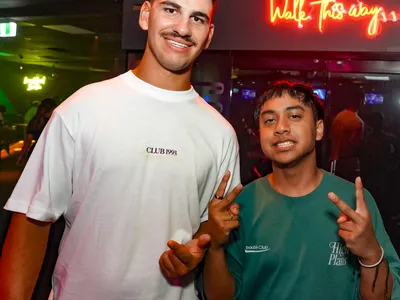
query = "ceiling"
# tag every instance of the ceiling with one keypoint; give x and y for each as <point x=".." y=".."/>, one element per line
<point x="97" y="49"/>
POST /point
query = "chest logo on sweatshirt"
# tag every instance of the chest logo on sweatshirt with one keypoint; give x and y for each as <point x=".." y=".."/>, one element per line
<point x="256" y="249"/>
<point x="339" y="254"/>
<point x="161" y="151"/>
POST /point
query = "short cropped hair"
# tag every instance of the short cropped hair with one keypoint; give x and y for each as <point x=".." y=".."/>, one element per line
<point x="214" y="2"/>
<point x="302" y="92"/>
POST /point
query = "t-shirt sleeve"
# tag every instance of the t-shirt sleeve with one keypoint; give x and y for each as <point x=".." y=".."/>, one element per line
<point x="234" y="252"/>
<point x="44" y="189"/>
<point x="384" y="240"/>
<point x="230" y="162"/>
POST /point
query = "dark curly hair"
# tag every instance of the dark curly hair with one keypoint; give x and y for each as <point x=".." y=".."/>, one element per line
<point x="302" y="92"/>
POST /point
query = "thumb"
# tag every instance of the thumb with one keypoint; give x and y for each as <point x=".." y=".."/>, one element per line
<point x="204" y="241"/>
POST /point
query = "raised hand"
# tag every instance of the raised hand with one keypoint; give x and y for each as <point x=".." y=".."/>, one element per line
<point x="223" y="215"/>
<point x="355" y="227"/>
<point x="182" y="259"/>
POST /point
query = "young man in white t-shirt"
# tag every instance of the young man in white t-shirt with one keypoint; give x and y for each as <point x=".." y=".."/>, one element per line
<point x="130" y="183"/>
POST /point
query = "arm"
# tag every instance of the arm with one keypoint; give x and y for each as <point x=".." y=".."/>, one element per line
<point x="223" y="270"/>
<point x="363" y="232"/>
<point x="219" y="284"/>
<point x="218" y="281"/>
<point x="382" y="282"/>
<point x="376" y="283"/>
<point x="27" y="144"/>
<point x="24" y="248"/>
<point x="42" y="194"/>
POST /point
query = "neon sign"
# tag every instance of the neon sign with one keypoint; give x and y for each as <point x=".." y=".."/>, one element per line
<point x="303" y="11"/>
<point x="35" y="83"/>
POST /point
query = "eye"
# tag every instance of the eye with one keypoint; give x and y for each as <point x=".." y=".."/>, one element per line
<point x="198" y="20"/>
<point x="170" y="11"/>
<point x="295" y="117"/>
<point x="269" y="121"/>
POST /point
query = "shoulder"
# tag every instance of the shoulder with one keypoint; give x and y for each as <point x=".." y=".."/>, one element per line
<point x="346" y="190"/>
<point x="214" y="117"/>
<point x="333" y="180"/>
<point x="88" y="101"/>
<point x="251" y="190"/>
<point x="90" y="95"/>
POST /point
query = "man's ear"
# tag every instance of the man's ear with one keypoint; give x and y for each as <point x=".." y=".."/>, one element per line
<point x="210" y="36"/>
<point x="320" y="130"/>
<point x="144" y="15"/>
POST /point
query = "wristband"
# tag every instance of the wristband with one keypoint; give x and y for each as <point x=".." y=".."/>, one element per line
<point x="373" y="265"/>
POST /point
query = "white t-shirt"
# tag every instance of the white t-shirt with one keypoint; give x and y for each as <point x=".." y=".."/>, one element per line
<point x="130" y="166"/>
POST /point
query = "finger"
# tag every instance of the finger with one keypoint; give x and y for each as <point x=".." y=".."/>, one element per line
<point x="344" y="207"/>
<point x="178" y="265"/>
<point x="342" y="218"/>
<point x="228" y="216"/>
<point x="231" y="196"/>
<point x="204" y="241"/>
<point x="166" y="273"/>
<point x="222" y="186"/>
<point x="234" y="208"/>
<point x="347" y="226"/>
<point x="166" y="266"/>
<point x="345" y="235"/>
<point x="180" y="251"/>
<point x="360" y="199"/>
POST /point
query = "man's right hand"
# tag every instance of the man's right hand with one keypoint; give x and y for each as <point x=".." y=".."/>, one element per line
<point x="223" y="214"/>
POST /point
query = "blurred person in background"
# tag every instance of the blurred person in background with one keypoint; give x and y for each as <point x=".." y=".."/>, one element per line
<point x="2" y="111"/>
<point x="35" y="128"/>
<point x="347" y="134"/>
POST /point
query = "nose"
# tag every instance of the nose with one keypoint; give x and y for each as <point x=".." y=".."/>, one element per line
<point x="183" y="28"/>
<point x="282" y="126"/>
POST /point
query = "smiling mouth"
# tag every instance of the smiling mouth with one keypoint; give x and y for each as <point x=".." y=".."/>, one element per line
<point x="284" y="144"/>
<point x="176" y="44"/>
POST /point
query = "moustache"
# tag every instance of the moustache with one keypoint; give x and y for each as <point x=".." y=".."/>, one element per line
<point x="186" y="38"/>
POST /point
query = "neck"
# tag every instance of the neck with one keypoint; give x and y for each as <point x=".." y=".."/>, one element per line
<point x="150" y="71"/>
<point x="298" y="180"/>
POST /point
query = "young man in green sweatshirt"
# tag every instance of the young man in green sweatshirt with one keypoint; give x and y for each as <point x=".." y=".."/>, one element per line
<point x="301" y="233"/>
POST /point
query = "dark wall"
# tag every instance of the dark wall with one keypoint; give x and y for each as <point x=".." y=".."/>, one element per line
<point x="244" y="25"/>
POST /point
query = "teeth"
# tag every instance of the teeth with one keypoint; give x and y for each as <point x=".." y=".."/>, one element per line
<point x="177" y="44"/>
<point x="285" y="144"/>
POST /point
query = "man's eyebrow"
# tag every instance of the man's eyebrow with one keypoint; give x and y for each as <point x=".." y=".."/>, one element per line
<point x="171" y="3"/>
<point x="178" y="7"/>
<point x="289" y="108"/>
<point x="294" y="107"/>
<point x="268" y="112"/>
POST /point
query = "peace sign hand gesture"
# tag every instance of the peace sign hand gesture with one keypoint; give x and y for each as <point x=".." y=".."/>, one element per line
<point x="223" y="215"/>
<point x="355" y="227"/>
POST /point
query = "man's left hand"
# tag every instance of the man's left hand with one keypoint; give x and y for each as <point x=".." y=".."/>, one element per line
<point x="355" y="227"/>
<point x="182" y="259"/>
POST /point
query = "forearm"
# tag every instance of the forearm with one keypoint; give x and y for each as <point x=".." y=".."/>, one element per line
<point x="376" y="283"/>
<point x="218" y="281"/>
<point x="27" y="144"/>
<point x="22" y="257"/>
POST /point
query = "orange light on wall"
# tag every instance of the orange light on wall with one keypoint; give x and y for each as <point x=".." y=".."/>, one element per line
<point x="304" y="11"/>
